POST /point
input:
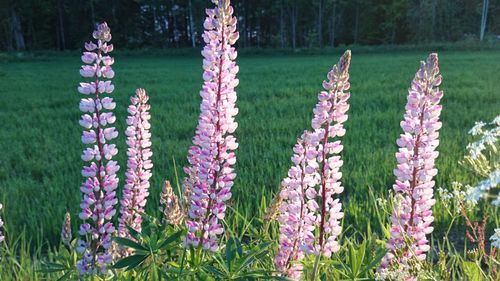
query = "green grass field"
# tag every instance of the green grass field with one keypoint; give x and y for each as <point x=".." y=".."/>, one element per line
<point x="40" y="136"/>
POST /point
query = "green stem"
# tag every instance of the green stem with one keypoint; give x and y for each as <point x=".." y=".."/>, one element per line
<point x="266" y="229"/>
<point x="315" y="268"/>
<point x="183" y="259"/>
<point x="449" y="227"/>
<point x="199" y="256"/>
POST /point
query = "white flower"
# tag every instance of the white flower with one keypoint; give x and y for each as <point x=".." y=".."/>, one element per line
<point x="477" y="129"/>
<point x="483" y="159"/>
<point x="473" y="195"/>
<point x="495" y="239"/>
<point x="496" y="121"/>
<point x="444" y="194"/>
<point x="494" y="178"/>
<point x="496" y="202"/>
<point x="490" y="137"/>
<point x="382" y="202"/>
<point x="476" y="148"/>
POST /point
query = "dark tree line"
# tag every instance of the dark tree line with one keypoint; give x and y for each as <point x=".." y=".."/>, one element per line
<point x="64" y="24"/>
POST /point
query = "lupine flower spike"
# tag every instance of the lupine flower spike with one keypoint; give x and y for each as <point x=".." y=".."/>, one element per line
<point x="210" y="171"/>
<point x="99" y="195"/>
<point x="2" y="237"/>
<point x="66" y="233"/>
<point x="139" y="165"/>
<point x="293" y="212"/>
<point x="310" y="215"/>
<point x="170" y="208"/>
<point x="412" y="214"/>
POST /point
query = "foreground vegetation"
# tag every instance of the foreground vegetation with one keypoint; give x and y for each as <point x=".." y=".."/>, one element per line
<point x="39" y="139"/>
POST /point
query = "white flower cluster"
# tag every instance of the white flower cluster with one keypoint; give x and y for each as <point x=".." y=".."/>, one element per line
<point x="398" y="274"/>
<point x="482" y="189"/>
<point x="401" y="270"/>
<point x="456" y="198"/>
<point x="488" y="138"/>
<point x="484" y="159"/>
<point x="382" y="202"/>
<point x="495" y="239"/>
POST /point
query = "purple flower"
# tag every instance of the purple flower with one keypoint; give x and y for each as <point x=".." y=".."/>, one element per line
<point x="412" y="215"/>
<point x="310" y="215"/>
<point x="136" y="189"/>
<point x="210" y="171"/>
<point x="99" y="188"/>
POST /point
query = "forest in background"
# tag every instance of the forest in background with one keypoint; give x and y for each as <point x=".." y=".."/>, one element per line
<point x="65" y="24"/>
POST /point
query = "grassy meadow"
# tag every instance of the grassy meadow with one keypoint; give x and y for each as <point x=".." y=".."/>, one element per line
<point x="40" y="137"/>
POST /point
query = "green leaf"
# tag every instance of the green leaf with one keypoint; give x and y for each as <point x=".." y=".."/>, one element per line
<point x="51" y="267"/>
<point x="153" y="242"/>
<point x="375" y="261"/>
<point x="239" y="249"/>
<point x="252" y="256"/>
<point x="174" y="264"/>
<point x="262" y="274"/>
<point x="133" y="232"/>
<point x="130" y="244"/>
<point x="130" y="262"/>
<point x="230" y="254"/>
<point x="356" y="258"/>
<point x="281" y="278"/>
<point x="172" y="238"/>
<point x="146" y="226"/>
<point x="214" y="271"/>
<point x="472" y="271"/>
<point x="66" y="276"/>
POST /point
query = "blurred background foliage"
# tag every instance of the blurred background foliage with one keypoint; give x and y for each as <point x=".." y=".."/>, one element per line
<point x="64" y="24"/>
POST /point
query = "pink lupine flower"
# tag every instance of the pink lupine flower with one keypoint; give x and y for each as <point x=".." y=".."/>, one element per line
<point x="99" y="195"/>
<point x="293" y="210"/>
<point x="210" y="174"/>
<point x="329" y="115"/>
<point x="412" y="215"/>
<point x="310" y="216"/>
<point x="136" y="189"/>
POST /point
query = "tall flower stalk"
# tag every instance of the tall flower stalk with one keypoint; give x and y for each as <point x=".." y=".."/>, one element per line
<point x="139" y="165"/>
<point x="99" y="195"/>
<point x="211" y="158"/>
<point x="310" y="215"/>
<point x="412" y="214"/>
